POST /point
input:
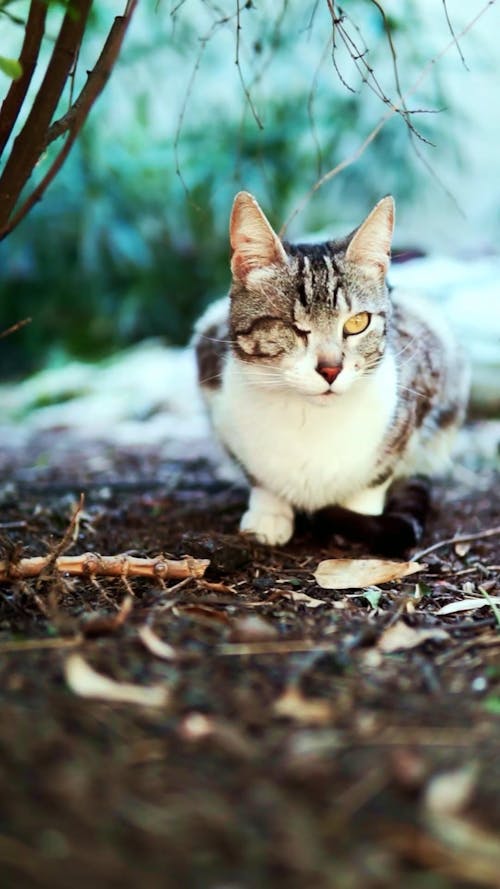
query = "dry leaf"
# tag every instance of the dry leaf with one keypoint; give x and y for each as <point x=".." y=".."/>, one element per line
<point x="86" y="682"/>
<point x="401" y="636"/>
<point x="293" y="705"/>
<point x="304" y="599"/>
<point x="348" y="574"/>
<point x="155" y="645"/>
<point x="196" y="727"/>
<point x="252" y="628"/>
<point x="450" y="792"/>
<point x="461" y="549"/>
<point x="468" y="605"/>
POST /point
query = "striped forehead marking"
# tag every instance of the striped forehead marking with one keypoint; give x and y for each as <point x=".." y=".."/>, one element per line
<point x="307" y="273"/>
<point x="332" y="281"/>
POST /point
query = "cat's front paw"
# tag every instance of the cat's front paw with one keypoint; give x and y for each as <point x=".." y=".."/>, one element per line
<point x="270" y="528"/>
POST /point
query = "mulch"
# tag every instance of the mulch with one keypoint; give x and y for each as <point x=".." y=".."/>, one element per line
<point x="292" y="750"/>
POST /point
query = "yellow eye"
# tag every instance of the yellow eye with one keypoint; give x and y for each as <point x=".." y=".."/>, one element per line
<point x="356" y="323"/>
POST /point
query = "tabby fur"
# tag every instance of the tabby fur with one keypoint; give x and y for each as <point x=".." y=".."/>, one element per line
<point x="316" y="415"/>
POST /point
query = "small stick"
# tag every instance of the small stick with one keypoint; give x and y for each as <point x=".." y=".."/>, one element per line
<point x="461" y="538"/>
<point x="91" y="564"/>
<point x="38" y="644"/>
<point x="14" y="327"/>
<point x="281" y="646"/>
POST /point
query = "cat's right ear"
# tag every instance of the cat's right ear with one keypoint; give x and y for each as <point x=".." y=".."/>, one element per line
<point x="254" y="244"/>
<point x="370" y="246"/>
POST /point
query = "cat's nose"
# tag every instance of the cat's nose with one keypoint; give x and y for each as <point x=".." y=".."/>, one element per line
<point x="328" y="371"/>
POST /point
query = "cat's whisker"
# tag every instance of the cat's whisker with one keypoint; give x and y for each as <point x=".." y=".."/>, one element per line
<point x="407" y="345"/>
<point x="413" y="391"/>
<point x="214" y="339"/>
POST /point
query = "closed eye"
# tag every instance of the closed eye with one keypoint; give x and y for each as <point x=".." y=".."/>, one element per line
<point x="300" y="331"/>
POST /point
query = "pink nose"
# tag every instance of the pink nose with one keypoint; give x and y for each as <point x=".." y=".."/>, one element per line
<point x="328" y="372"/>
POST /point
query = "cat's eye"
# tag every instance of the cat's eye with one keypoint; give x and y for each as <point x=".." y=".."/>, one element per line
<point x="356" y="323"/>
<point x="301" y="331"/>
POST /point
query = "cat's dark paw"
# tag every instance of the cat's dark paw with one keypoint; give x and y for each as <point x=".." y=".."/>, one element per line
<point x="394" y="533"/>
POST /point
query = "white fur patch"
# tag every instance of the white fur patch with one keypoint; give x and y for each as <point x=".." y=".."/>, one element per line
<point x="309" y="451"/>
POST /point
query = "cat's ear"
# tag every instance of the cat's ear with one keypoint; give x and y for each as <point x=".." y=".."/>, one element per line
<point x="370" y="246"/>
<point x="254" y="244"/>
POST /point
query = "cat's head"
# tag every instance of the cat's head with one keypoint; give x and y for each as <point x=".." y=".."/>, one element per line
<point x="310" y="318"/>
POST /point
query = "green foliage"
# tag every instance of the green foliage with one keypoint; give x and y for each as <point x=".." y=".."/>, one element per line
<point x="10" y="67"/>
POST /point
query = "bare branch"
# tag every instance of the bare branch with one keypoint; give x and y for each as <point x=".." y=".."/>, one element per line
<point x="29" y="144"/>
<point x="74" y="119"/>
<point x="180" y="123"/>
<point x="12" y="329"/>
<point x="93" y="564"/>
<point x="11" y="105"/>
<point x="240" y="72"/>
<point x="96" y="80"/>
<point x="452" y="32"/>
<point x="352" y="158"/>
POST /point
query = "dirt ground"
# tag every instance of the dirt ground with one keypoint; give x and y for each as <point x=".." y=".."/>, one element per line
<point x="293" y="747"/>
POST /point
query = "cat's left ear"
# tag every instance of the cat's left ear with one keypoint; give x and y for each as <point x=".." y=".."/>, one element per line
<point x="370" y="246"/>
<point x="254" y="244"/>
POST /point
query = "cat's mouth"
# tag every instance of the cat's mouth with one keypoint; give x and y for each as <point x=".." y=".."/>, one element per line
<point x="321" y="397"/>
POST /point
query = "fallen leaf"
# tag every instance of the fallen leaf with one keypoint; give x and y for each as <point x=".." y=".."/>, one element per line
<point x="86" y="682"/>
<point x="252" y="628"/>
<point x="449" y="793"/>
<point x="306" y="600"/>
<point x="312" y="711"/>
<point x="468" y="605"/>
<point x="492" y="704"/>
<point x="461" y="549"/>
<point x="372" y="596"/>
<point x="155" y="645"/>
<point x="196" y="727"/>
<point x="401" y="636"/>
<point x="202" y="614"/>
<point x="347" y="574"/>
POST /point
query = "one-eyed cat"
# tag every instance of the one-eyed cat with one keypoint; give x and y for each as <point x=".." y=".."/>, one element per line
<point x="323" y="385"/>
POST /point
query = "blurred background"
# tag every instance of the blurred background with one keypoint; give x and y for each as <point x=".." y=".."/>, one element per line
<point x="130" y="241"/>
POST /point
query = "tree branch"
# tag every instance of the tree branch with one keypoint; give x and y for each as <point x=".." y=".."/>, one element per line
<point x="74" y="119"/>
<point x="96" y="80"/>
<point x="356" y="154"/>
<point x="30" y="142"/>
<point x="92" y="564"/>
<point x="11" y="105"/>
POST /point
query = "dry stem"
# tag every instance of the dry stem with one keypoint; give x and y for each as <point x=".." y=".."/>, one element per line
<point x="91" y="564"/>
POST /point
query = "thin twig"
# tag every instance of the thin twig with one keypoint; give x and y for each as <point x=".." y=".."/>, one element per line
<point x="37" y="644"/>
<point x="347" y="162"/>
<point x="461" y="538"/>
<point x="452" y="32"/>
<point x="240" y="72"/>
<point x="15" y="327"/>
<point x="279" y="647"/>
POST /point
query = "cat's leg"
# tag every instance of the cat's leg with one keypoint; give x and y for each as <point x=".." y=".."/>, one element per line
<point x="268" y="518"/>
<point x="368" y="501"/>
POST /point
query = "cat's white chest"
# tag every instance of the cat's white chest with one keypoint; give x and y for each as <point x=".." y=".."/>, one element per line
<point x="310" y="455"/>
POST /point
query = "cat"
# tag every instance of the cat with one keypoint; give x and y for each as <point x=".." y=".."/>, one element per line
<point x="325" y="386"/>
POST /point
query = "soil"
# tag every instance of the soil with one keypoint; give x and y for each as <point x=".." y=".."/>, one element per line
<point x="292" y="750"/>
